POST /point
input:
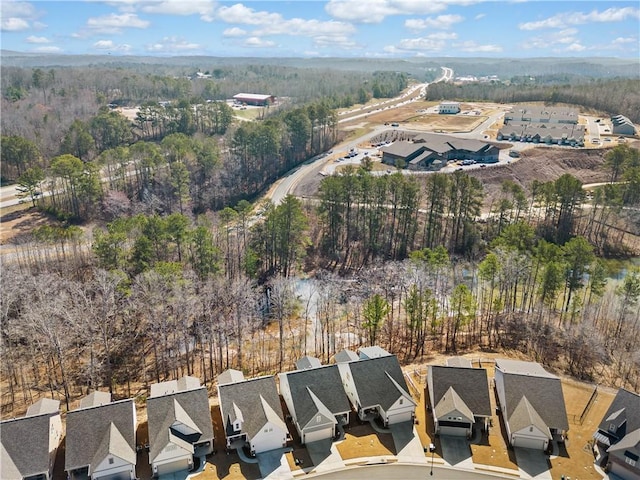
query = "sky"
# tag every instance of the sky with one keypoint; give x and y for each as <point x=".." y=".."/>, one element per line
<point x="332" y="28"/>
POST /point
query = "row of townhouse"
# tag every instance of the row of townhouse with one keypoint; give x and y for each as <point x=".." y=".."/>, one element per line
<point x="101" y="434"/>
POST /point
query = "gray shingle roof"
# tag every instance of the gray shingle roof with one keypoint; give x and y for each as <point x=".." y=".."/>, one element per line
<point x="326" y="385"/>
<point x="373" y="352"/>
<point x="451" y="401"/>
<point x="308" y="362"/>
<point x="543" y="391"/>
<point x="524" y="415"/>
<point x="624" y="412"/>
<point x="374" y="380"/>
<point x="90" y="435"/>
<point x="25" y="441"/>
<point x="469" y="383"/>
<point x="247" y="398"/>
<point x="345" y="356"/>
<point x="630" y="442"/>
<point x="162" y="413"/>
<point x="402" y="149"/>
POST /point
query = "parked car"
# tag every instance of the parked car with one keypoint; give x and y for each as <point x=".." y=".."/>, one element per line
<point x="514" y="154"/>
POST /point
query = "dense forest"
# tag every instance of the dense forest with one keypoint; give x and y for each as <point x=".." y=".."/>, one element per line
<point x="156" y="264"/>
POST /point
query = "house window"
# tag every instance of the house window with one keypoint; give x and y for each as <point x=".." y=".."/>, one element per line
<point x="401" y="400"/>
<point x="630" y="461"/>
<point x="318" y="419"/>
<point x="110" y="460"/>
<point x="612" y="427"/>
<point x="531" y="429"/>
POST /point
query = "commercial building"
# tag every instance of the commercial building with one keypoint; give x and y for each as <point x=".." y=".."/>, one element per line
<point x="449" y="107"/>
<point x="254" y="99"/>
<point x="622" y="125"/>
<point x="541" y="114"/>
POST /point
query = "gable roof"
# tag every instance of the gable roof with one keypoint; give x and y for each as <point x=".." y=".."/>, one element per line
<point x="308" y="362"/>
<point x="345" y="356"/>
<point x="523" y="377"/>
<point x="323" y="383"/>
<point x="373" y="352"/>
<point x="248" y="400"/>
<point x="524" y="415"/>
<point x="19" y="433"/>
<point x="95" y="399"/>
<point x="189" y="408"/>
<point x="458" y="362"/>
<point x="42" y="406"/>
<point x="470" y="384"/>
<point x="114" y="443"/>
<point x="379" y="381"/>
<point x="230" y="376"/>
<point x="451" y="401"/>
<point x="631" y="441"/>
<point x="624" y="412"/>
<point x="93" y="432"/>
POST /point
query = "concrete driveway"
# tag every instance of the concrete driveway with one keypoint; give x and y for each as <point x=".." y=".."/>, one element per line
<point x="273" y="465"/>
<point x="407" y="443"/>
<point x="532" y="464"/>
<point x="325" y="456"/>
<point x="456" y="451"/>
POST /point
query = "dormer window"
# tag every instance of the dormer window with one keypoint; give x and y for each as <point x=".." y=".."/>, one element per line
<point x="612" y="427"/>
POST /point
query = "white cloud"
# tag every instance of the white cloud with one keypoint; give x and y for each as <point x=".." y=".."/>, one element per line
<point x="551" y="39"/>
<point x="34" y="39"/>
<point x="329" y="33"/>
<point x="441" y="21"/>
<point x="443" y="36"/>
<point x="422" y="44"/>
<point x="562" y="20"/>
<point x="576" y="47"/>
<point x="114" y="23"/>
<point x="14" y="24"/>
<point x="257" y="42"/>
<point x="109" y="45"/>
<point x="472" y="47"/>
<point x="234" y="32"/>
<point x="335" y="41"/>
<point x="48" y="49"/>
<point x="375" y="11"/>
<point x="479" y="16"/>
<point x="173" y="45"/>
<point x="204" y="8"/>
<point x="624" y="40"/>
<point x="238" y="13"/>
<point x="16" y="16"/>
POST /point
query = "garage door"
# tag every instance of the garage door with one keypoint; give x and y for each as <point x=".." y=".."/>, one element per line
<point x="318" y="435"/>
<point x="400" y="417"/>
<point x="453" y="431"/>
<point x="528" y="442"/>
<point x="173" y="467"/>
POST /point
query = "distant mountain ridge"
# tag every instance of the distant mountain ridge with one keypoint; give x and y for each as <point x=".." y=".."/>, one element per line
<point x="597" y="67"/>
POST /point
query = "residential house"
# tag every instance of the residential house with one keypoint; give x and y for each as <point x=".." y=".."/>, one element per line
<point x="316" y="401"/>
<point x="101" y="439"/>
<point x="180" y="426"/>
<point x="376" y="388"/>
<point x="29" y="444"/>
<point x="619" y="435"/>
<point x="459" y="398"/>
<point x="531" y="403"/>
<point x="252" y="414"/>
